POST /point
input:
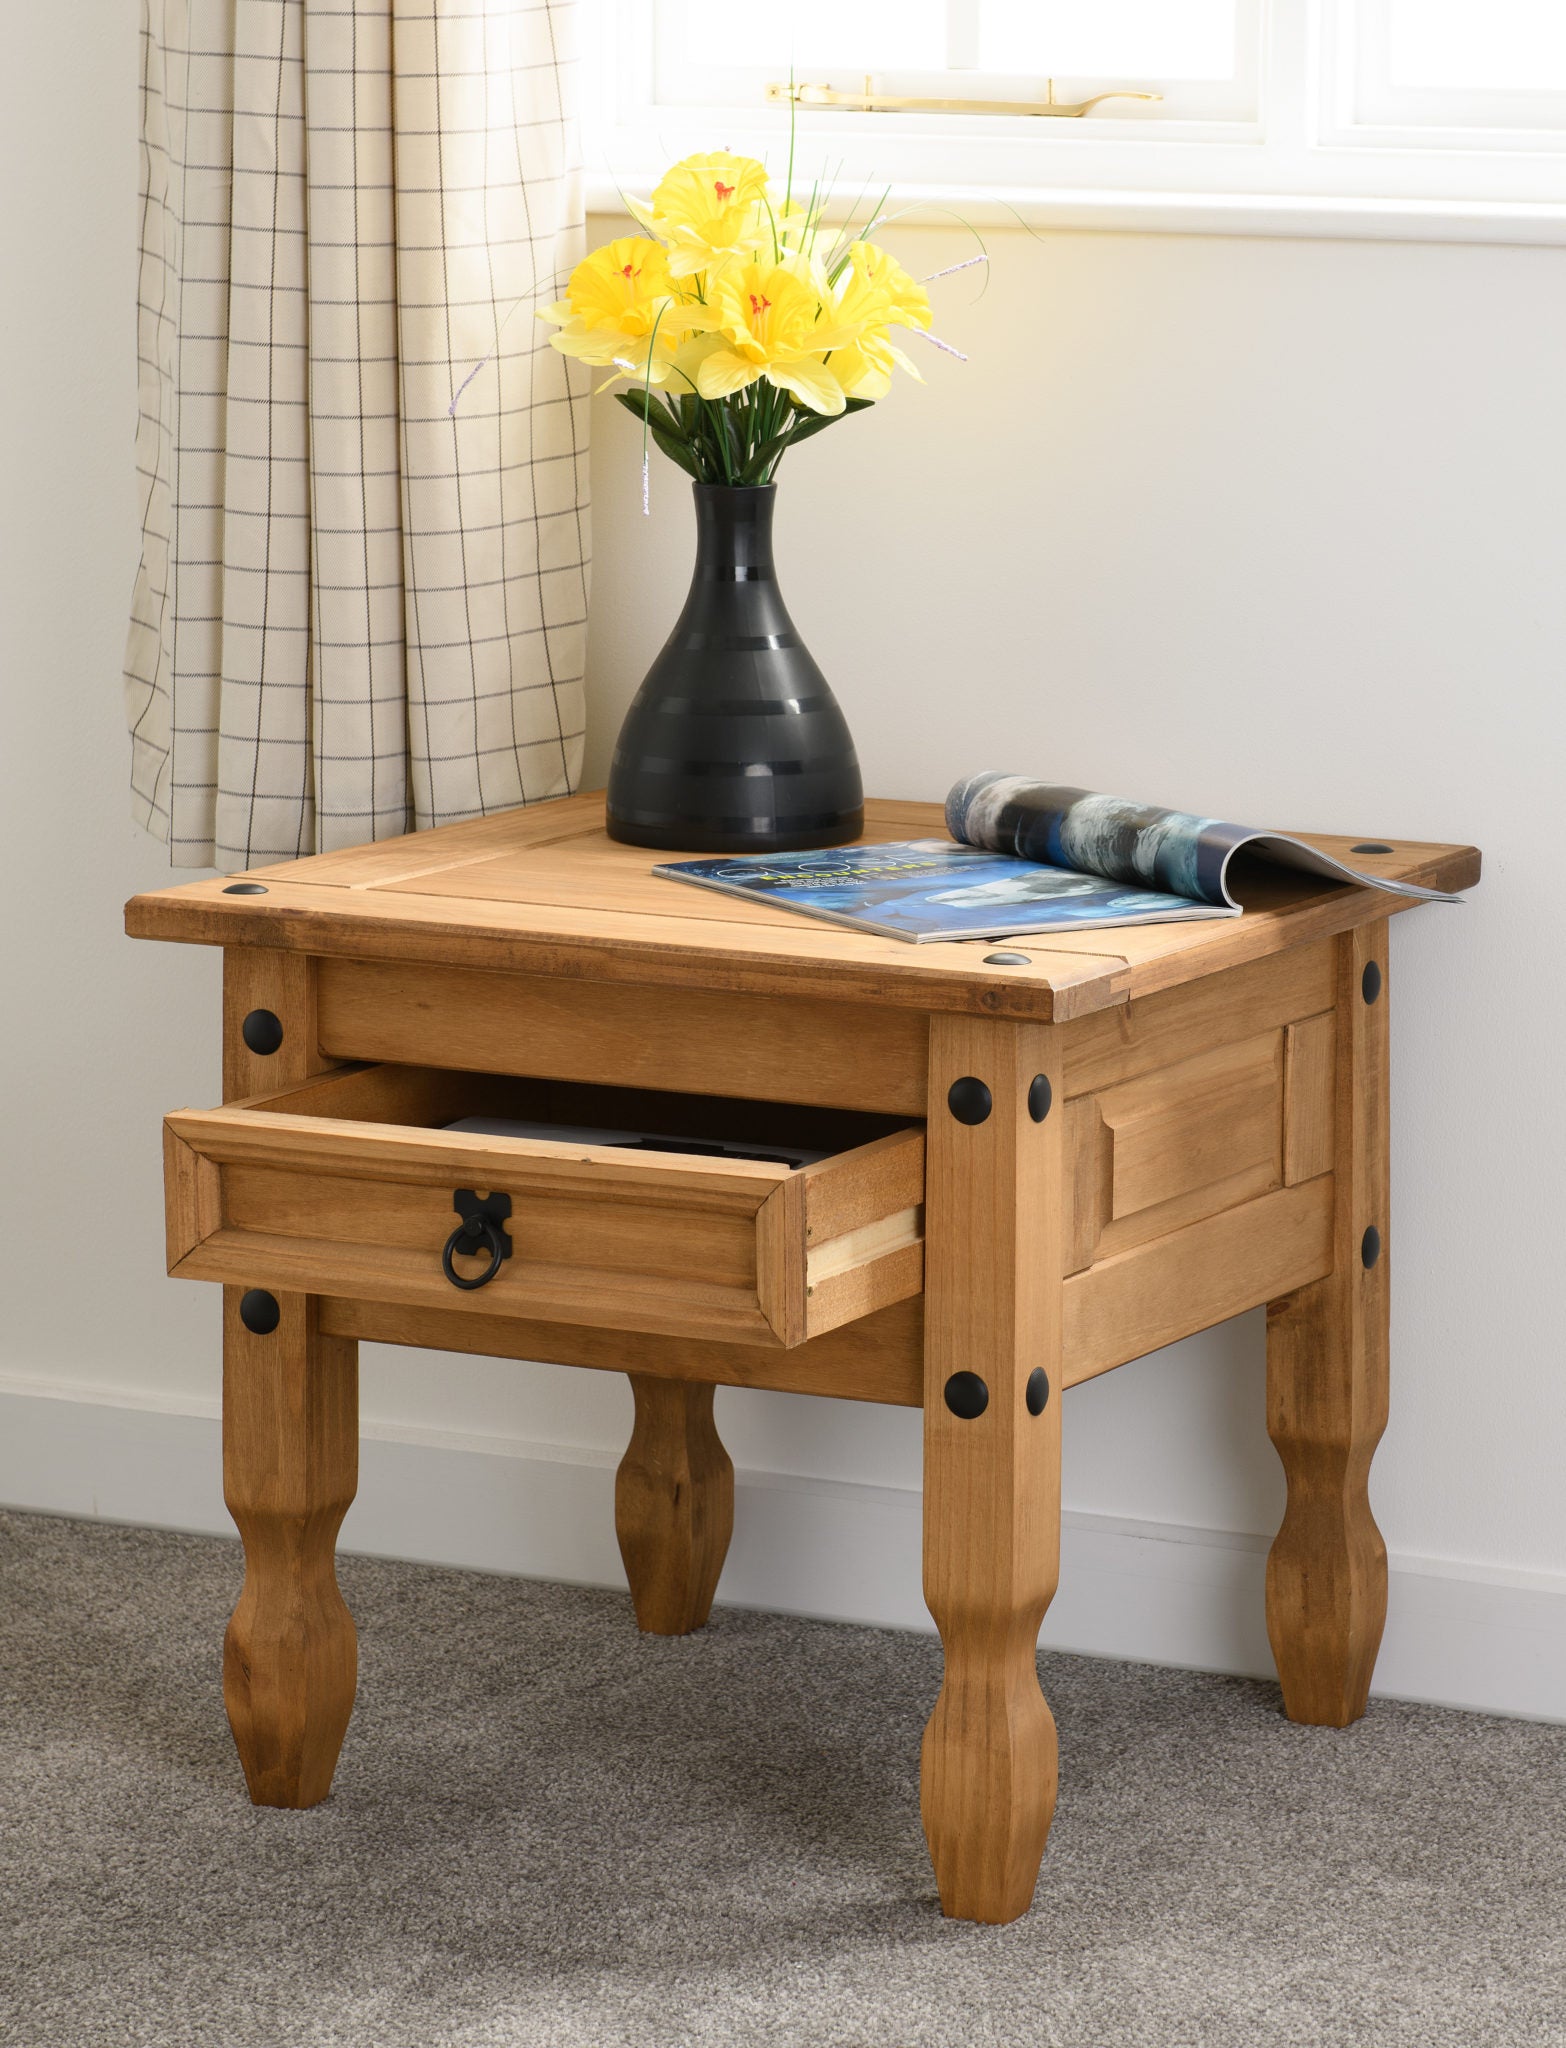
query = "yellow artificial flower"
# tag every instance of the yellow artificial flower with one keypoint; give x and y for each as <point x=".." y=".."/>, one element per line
<point x="708" y="208"/>
<point x="622" y="308"/>
<point x="874" y="294"/>
<point x="619" y="288"/>
<point x="768" y="322"/>
<point x="875" y="279"/>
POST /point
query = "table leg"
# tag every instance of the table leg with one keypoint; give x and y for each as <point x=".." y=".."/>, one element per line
<point x="993" y="1258"/>
<point x="290" y="1469"/>
<point x="1327" y="1369"/>
<point x="673" y="1505"/>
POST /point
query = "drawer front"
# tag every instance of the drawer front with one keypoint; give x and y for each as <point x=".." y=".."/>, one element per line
<point x="344" y="1187"/>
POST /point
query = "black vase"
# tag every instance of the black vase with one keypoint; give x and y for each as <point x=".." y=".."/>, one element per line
<point x="734" y="743"/>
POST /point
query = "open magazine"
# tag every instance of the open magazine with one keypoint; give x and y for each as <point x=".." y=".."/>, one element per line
<point x="1030" y="857"/>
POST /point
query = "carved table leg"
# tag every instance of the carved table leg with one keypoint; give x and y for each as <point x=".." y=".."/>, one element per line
<point x="290" y="1469"/>
<point x="993" y="1256"/>
<point x="1327" y="1385"/>
<point x="673" y="1505"/>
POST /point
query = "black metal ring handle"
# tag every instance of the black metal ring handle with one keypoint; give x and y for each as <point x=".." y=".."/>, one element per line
<point x="465" y="1239"/>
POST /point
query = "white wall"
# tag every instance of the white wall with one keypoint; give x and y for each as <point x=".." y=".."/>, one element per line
<point x="1272" y="529"/>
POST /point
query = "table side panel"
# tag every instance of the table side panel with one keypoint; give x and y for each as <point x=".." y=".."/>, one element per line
<point x="1193" y="1110"/>
<point x="1170" y="1025"/>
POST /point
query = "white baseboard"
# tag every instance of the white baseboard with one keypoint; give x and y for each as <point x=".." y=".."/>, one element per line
<point x="1457" y="1635"/>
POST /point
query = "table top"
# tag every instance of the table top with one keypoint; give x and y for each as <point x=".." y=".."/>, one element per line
<point x="544" y="890"/>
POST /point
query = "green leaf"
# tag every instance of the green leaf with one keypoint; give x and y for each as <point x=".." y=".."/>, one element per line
<point x="813" y="422"/>
<point x="680" y="452"/>
<point x="662" y="429"/>
<point x="755" y="471"/>
<point x="802" y="423"/>
<point x="638" y="403"/>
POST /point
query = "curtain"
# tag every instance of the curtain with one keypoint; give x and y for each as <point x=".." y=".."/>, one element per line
<point x="361" y="605"/>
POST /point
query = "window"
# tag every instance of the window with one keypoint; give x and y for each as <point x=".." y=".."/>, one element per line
<point x="1456" y="73"/>
<point x="1422" y="117"/>
<point x="1197" y="57"/>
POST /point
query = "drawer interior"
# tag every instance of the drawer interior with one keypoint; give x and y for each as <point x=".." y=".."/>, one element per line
<point x="576" y="1113"/>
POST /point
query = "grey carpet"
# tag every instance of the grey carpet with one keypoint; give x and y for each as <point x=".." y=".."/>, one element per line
<point x="549" y="1832"/>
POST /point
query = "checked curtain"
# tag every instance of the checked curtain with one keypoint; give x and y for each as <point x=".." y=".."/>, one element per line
<point x="361" y="603"/>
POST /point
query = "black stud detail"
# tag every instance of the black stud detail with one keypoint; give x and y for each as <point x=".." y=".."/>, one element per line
<point x="967" y="1395"/>
<point x="1040" y="1096"/>
<point x="1037" y="1391"/>
<point x="259" y="1312"/>
<point x="1008" y="959"/>
<point x="1370" y="1247"/>
<point x="1371" y="846"/>
<point x="244" y="889"/>
<point x="969" y="1100"/>
<point x="1370" y="981"/>
<point x="262" y="1031"/>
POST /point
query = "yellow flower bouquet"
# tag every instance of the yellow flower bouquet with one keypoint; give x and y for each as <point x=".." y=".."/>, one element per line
<point x="742" y="324"/>
<point x="755" y="325"/>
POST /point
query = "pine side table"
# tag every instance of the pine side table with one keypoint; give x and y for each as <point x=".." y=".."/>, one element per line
<point x="1022" y="1172"/>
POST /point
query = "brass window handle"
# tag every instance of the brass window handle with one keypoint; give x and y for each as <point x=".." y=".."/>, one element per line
<point x="868" y="102"/>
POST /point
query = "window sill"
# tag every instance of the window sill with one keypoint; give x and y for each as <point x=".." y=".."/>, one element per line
<point x="1327" y="217"/>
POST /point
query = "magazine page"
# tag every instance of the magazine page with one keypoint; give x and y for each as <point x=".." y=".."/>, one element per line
<point x="923" y="889"/>
<point x="1137" y="844"/>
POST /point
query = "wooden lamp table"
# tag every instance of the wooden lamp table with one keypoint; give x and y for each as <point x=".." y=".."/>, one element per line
<point x="1030" y="1170"/>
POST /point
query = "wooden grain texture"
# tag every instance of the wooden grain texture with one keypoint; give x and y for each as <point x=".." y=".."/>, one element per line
<point x="992" y="1483"/>
<point x="1123" y="1307"/>
<point x="266" y="978"/>
<point x="1282" y="910"/>
<point x="559" y="1293"/>
<point x="536" y="915"/>
<point x="290" y="1469"/>
<point x="673" y="1505"/>
<point x="192" y="1198"/>
<point x="863" y="1231"/>
<point x="1151" y="1155"/>
<point x="864" y="1270"/>
<point x="658" y="1238"/>
<point x="1174" y="1024"/>
<point x="1327" y="1386"/>
<point x="1309" y="1064"/>
<point x="675" y="1243"/>
<point x="1117" y="1310"/>
<point x="1089" y="1166"/>
<point x="683" y="946"/>
<point x="708" y="1043"/>
<point x="1162" y="1220"/>
<point x="780" y="1260"/>
<point x="878" y="1359"/>
<point x="876" y="1179"/>
<point x="397" y="1153"/>
<point x="1184" y="1127"/>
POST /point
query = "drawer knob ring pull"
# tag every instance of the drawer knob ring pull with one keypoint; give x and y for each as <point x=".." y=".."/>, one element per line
<point x="482" y="1228"/>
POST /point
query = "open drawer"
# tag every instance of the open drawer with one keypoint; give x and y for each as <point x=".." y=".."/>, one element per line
<point x="351" y="1184"/>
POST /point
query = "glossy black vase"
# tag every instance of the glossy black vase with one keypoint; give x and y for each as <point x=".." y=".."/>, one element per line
<point x="734" y="743"/>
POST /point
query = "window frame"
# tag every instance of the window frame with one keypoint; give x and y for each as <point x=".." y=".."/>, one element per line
<point x="1190" y="100"/>
<point x="1361" y="105"/>
<point x="1306" y="161"/>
